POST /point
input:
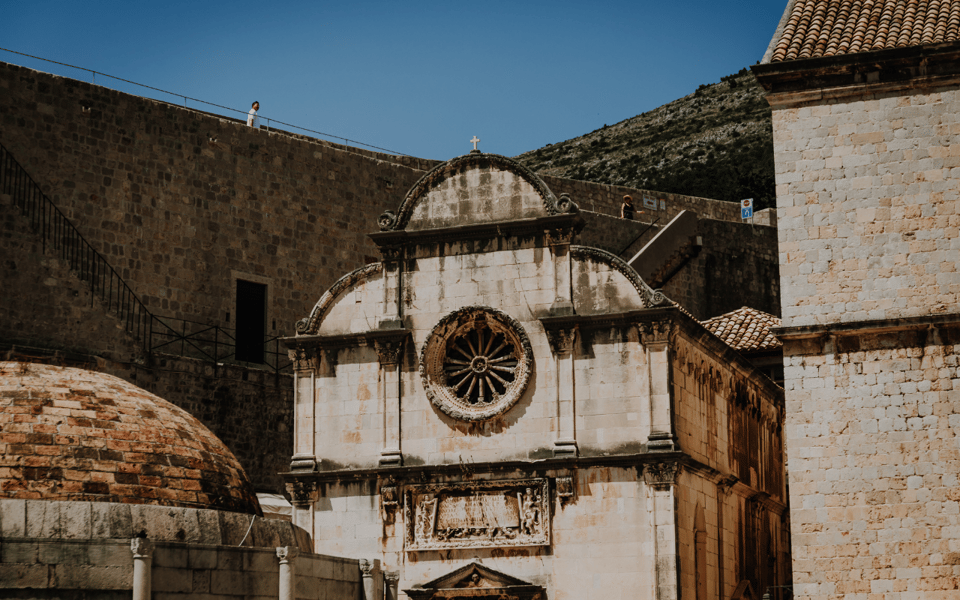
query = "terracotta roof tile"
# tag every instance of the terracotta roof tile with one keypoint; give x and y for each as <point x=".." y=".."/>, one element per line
<point x="817" y="28"/>
<point x="745" y="329"/>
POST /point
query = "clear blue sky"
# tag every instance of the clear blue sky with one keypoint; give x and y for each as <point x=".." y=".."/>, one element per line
<point x="418" y="78"/>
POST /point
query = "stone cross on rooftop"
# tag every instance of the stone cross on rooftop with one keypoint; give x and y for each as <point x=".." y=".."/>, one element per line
<point x="474" y="141"/>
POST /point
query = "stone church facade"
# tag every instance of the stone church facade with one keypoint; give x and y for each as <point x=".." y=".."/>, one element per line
<point x="493" y="409"/>
<point x="865" y="101"/>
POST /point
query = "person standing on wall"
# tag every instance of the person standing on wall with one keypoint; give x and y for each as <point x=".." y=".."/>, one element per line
<point x="626" y="209"/>
<point x="252" y="119"/>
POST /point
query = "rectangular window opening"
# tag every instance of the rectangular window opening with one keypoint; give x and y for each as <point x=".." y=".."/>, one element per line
<point x="251" y="321"/>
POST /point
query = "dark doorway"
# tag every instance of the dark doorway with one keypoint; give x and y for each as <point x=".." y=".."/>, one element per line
<point x="251" y="320"/>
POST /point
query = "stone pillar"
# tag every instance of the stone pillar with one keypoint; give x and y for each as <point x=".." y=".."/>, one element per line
<point x="391" y="580"/>
<point x="142" y="554"/>
<point x="366" y="570"/>
<point x="306" y="363"/>
<point x="390" y="352"/>
<point x="562" y="342"/>
<point x="303" y="495"/>
<point x="287" y="554"/>
<point x="660" y="479"/>
<point x="655" y="337"/>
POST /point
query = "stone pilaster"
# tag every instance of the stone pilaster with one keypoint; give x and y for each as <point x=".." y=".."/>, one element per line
<point x="661" y="479"/>
<point x="563" y="343"/>
<point x="655" y="336"/>
<point x="390" y="353"/>
<point x="306" y="363"/>
<point x="303" y="496"/>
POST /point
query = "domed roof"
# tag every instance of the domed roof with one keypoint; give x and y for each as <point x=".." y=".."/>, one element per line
<point x="72" y="434"/>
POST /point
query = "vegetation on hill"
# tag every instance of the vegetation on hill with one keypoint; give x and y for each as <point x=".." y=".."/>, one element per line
<point x="714" y="143"/>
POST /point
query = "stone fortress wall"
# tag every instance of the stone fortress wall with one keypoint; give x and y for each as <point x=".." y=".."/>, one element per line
<point x="183" y="204"/>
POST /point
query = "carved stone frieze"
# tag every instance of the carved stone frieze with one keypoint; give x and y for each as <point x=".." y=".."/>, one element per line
<point x="477" y="514"/>
<point x="661" y="475"/>
<point x="476" y="363"/>
<point x="302" y="493"/>
<point x="655" y="332"/>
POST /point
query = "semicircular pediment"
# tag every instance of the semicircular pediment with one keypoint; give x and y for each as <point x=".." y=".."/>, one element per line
<point x="474" y="188"/>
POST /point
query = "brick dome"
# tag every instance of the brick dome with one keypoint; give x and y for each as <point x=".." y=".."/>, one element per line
<point x="72" y="434"/>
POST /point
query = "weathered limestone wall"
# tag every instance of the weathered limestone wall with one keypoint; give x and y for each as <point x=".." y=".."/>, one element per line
<point x="868" y="195"/>
<point x="873" y="427"/>
<point x="602" y="540"/>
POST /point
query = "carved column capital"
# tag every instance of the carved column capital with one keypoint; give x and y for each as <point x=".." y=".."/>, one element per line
<point x="655" y="332"/>
<point x="562" y="339"/>
<point x="366" y="566"/>
<point x="302" y="493"/>
<point x="287" y="553"/>
<point x="560" y="237"/>
<point x="304" y="359"/>
<point x="661" y="475"/>
<point x="391" y="577"/>
<point x="389" y="350"/>
<point x="141" y="547"/>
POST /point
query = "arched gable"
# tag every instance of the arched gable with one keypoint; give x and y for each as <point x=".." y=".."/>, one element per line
<point x="603" y="282"/>
<point x="311" y="325"/>
<point x="474" y="188"/>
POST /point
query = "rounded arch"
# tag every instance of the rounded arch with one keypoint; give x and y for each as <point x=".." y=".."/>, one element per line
<point x="390" y="221"/>
<point x="650" y="296"/>
<point x="311" y="324"/>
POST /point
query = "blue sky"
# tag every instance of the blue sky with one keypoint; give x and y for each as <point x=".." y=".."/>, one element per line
<point x="417" y="78"/>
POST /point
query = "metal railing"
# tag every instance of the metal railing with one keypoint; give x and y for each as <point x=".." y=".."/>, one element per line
<point x="156" y="334"/>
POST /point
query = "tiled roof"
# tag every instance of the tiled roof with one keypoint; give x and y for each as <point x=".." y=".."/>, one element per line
<point x="817" y="28"/>
<point x="745" y="329"/>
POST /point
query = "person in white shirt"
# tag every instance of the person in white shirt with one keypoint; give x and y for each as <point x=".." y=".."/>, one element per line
<point x="252" y="119"/>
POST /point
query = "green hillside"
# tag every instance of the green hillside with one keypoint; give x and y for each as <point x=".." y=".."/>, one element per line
<point x="714" y="143"/>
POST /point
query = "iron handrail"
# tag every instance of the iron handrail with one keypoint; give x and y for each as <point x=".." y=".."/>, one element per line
<point x="59" y="234"/>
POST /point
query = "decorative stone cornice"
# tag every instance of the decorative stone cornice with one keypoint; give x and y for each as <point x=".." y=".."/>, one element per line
<point x="396" y="240"/>
<point x="881" y="71"/>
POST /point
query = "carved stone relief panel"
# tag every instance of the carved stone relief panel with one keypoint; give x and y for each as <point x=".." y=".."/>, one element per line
<point x="477" y="514"/>
<point x="476" y="363"/>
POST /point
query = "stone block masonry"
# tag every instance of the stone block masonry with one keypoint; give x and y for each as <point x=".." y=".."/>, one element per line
<point x="184" y="203"/>
<point x="869" y="207"/>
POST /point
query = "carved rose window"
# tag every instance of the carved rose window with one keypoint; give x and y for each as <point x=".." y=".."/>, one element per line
<point x="476" y="363"/>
